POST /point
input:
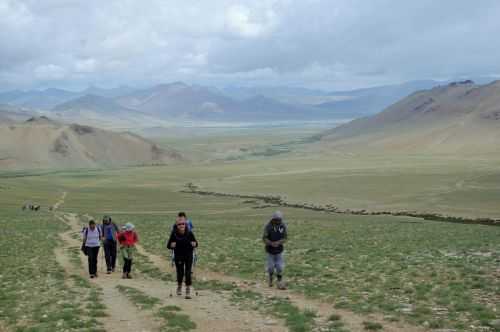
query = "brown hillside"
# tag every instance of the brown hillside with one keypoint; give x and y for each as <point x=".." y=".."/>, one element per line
<point x="43" y="143"/>
<point x="456" y="118"/>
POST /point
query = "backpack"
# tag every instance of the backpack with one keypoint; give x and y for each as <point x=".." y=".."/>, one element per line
<point x="85" y="230"/>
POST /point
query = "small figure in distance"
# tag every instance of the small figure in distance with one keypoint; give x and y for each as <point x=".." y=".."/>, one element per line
<point x="127" y="239"/>
<point x="275" y="235"/>
<point x="182" y="241"/>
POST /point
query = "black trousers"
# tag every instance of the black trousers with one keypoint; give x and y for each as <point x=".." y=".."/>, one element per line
<point x="110" y="254"/>
<point x="183" y="265"/>
<point x="127" y="265"/>
<point x="92" y="253"/>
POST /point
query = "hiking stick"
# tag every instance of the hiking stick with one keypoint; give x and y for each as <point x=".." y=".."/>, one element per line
<point x="172" y="264"/>
<point x="102" y="259"/>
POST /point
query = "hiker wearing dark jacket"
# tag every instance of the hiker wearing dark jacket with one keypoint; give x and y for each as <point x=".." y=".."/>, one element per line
<point x="275" y="234"/>
<point x="182" y="242"/>
<point x="91" y="240"/>
<point x="109" y="231"/>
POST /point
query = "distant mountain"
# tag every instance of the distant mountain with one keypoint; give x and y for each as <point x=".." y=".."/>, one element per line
<point x="46" y="144"/>
<point x="362" y="102"/>
<point x="37" y="99"/>
<point x="459" y="117"/>
<point x="280" y="93"/>
<point x="49" y="98"/>
<point x="110" y="93"/>
<point x="100" y="111"/>
<point x="178" y="101"/>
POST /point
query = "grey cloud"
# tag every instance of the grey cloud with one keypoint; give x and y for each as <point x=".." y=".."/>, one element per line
<point x="330" y="44"/>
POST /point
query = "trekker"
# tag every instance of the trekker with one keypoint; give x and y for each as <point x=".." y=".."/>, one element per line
<point x="127" y="239"/>
<point x="109" y="231"/>
<point x="275" y="234"/>
<point x="182" y="242"/>
<point x="91" y="241"/>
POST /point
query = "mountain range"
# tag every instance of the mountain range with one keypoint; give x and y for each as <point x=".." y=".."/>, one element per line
<point x="178" y="102"/>
<point x="457" y="118"/>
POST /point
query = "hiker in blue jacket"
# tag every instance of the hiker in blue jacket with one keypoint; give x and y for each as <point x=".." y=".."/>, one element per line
<point x="109" y="231"/>
<point x="275" y="235"/>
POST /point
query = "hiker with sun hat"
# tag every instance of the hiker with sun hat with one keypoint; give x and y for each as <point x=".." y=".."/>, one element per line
<point x="127" y="239"/>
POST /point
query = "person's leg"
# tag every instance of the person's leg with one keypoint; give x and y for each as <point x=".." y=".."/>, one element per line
<point x="93" y="252"/>
<point x="123" y="251"/>
<point x="188" y="267"/>
<point x="280" y="266"/>
<point x="179" y="268"/>
<point x="107" y="254"/>
<point x="270" y="268"/>
<point x="89" y="259"/>
<point x="113" y="254"/>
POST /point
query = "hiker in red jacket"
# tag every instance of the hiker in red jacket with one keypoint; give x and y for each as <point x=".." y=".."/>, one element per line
<point x="127" y="239"/>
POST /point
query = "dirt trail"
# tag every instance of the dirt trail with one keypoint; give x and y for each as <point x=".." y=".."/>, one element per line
<point x="324" y="310"/>
<point x="211" y="311"/>
<point x="122" y="315"/>
<point x="60" y="201"/>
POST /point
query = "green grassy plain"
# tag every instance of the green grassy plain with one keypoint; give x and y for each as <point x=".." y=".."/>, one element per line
<point x="435" y="274"/>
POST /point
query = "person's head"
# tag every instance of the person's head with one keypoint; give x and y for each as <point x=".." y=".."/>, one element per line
<point x="92" y="224"/>
<point x="182" y="215"/>
<point x="129" y="227"/>
<point x="180" y="224"/>
<point x="277" y="217"/>
<point x="106" y="219"/>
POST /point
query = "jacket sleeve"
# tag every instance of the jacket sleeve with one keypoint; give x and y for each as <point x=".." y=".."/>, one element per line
<point x="170" y="240"/>
<point x="120" y="237"/>
<point x="265" y="235"/>
<point x="193" y="239"/>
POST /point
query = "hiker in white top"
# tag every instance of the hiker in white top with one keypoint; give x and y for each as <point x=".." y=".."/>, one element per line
<point x="92" y="241"/>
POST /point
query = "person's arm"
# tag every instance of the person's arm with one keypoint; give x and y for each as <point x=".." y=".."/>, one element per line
<point x="285" y="235"/>
<point x="84" y="235"/>
<point x="171" y="243"/>
<point x="116" y="230"/>
<point x="194" y="243"/>
<point x="265" y="236"/>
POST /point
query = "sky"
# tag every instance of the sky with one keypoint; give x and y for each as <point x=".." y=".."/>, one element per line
<point x="330" y="44"/>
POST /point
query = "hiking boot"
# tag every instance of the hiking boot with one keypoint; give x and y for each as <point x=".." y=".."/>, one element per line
<point x="188" y="292"/>
<point x="270" y="282"/>
<point x="179" y="290"/>
<point x="108" y="272"/>
<point x="129" y="276"/>
<point x="92" y="276"/>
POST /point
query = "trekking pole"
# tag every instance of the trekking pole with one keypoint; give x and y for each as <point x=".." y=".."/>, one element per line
<point x="172" y="264"/>
<point x="102" y="260"/>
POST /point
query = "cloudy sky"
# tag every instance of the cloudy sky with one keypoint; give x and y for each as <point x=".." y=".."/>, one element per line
<point x="331" y="44"/>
